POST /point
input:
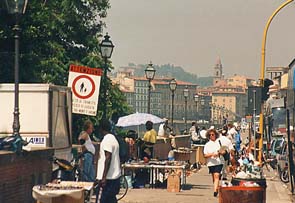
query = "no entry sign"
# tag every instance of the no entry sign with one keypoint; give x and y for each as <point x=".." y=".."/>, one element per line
<point x="85" y="84"/>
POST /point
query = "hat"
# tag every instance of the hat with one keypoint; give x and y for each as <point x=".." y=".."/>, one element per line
<point x="211" y="127"/>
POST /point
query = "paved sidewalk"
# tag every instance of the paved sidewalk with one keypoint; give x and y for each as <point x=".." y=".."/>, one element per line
<point x="276" y="191"/>
<point x="200" y="189"/>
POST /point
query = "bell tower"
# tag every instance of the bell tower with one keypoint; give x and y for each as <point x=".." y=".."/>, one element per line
<point x="218" y="75"/>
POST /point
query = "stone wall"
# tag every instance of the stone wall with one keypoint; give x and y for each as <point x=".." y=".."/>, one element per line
<point x="19" y="173"/>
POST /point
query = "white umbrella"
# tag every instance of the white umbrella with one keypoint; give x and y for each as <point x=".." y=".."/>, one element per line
<point x="138" y="119"/>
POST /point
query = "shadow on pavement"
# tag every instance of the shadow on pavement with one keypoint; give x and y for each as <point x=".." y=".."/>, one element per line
<point x="193" y="186"/>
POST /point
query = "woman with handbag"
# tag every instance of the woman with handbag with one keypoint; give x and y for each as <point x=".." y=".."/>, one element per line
<point x="214" y="158"/>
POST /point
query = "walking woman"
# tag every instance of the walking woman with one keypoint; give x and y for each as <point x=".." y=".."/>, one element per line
<point x="214" y="158"/>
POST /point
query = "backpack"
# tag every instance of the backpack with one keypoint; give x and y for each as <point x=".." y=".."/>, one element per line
<point x="123" y="149"/>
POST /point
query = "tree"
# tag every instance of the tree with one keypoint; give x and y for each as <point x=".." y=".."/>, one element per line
<point x="54" y="34"/>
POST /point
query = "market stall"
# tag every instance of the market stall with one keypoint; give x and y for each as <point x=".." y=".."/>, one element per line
<point x="64" y="191"/>
<point x="158" y="170"/>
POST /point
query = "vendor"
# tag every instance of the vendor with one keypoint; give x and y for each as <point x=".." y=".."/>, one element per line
<point x="149" y="139"/>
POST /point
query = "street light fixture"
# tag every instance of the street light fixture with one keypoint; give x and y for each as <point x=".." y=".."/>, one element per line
<point x="196" y="98"/>
<point x="172" y="86"/>
<point x="149" y="74"/>
<point x="185" y="94"/>
<point x="16" y="7"/>
<point x="106" y="50"/>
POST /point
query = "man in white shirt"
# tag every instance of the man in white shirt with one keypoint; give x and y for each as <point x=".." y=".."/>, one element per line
<point x="108" y="166"/>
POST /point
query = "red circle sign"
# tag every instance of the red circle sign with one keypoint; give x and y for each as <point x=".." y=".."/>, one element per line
<point x="92" y="87"/>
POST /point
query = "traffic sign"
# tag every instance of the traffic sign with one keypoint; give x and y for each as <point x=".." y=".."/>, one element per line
<point x="85" y="84"/>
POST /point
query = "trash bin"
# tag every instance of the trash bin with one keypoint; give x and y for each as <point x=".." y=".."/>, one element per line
<point x="240" y="181"/>
<point x="242" y="194"/>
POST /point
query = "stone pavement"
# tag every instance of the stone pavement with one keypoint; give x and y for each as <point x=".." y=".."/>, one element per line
<point x="276" y="191"/>
<point x="200" y="189"/>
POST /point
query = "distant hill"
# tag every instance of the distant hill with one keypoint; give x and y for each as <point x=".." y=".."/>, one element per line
<point x="168" y="70"/>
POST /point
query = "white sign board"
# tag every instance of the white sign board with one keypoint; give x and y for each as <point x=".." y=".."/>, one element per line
<point x="85" y="84"/>
<point x="277" y="103"/>
<point x="35" y="141"/>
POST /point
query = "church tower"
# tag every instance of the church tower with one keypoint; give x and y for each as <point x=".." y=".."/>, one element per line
<point x="218" y="75"/>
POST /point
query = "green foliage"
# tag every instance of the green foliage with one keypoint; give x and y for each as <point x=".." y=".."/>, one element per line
<point x="53" y="35"/>
<point x="168" y="70"/>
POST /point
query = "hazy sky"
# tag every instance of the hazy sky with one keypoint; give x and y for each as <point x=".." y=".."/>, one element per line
<point x="193" y="33"/>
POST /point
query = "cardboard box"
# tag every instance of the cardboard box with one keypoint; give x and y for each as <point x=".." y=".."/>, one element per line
<point x="173" y="183"/>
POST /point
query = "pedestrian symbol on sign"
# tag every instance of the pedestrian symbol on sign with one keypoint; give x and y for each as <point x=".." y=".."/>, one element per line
<point x="83" y="86"/>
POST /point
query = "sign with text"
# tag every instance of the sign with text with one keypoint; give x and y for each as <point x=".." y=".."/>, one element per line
<point x="85" y="84"/>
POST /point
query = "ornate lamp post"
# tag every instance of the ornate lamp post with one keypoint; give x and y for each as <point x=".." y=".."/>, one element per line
<point x="172" y="86"/>
<point x="202" y="108"/>
<point x="106" y="50"/>
<point x="185" y="94"/>
<point x="196" y="98"/>
<point x="17" y="8"/>
<point x="149" y="74"/>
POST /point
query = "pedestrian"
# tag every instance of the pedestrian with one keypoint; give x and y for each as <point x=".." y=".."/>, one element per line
<point x="203" y="133"/>
<point x="214" y="158"/>
<point x="224" y="141"/>
<point x="164" y="129"/>
<point x="88" y="151"/>
<point x="108" y="166"/>
<point x="238" y="139"/>
<point x="231" y="133"/>
<point x="149" y="139"/>
<point x="194" y="133"/>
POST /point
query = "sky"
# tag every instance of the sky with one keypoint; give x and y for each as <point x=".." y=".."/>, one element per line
<point x="194" y="33"/>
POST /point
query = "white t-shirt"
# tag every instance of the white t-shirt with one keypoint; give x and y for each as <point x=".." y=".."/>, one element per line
<point x="225" y="142"/>
<point x="109" y="144"/>
<point x="213" y="147"/>
<point x="89" y="146"/>
<point x="161" y="131"/>
<point x="203" y="134"/>
<point x="231" y="134"/>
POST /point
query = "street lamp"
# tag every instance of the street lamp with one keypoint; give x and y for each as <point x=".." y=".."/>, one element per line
<point x="202" y="108"/>
<point x="196" y="98"/>
<point x="106" y="50"/>
<point x="262" y="67"/>
<point x="172" y="86"/>
<point x="16" y="7"/>
<point x="214" y="113"/>
<point x="209" y="111"/>
<point x="149" y="74"/>
<point x="185" y="94"/>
